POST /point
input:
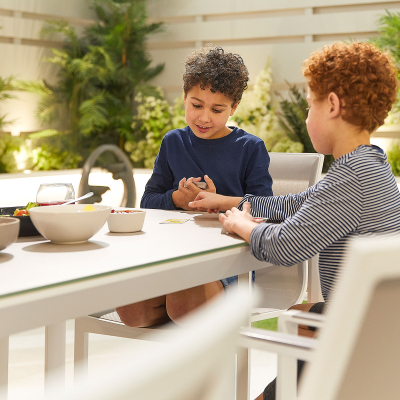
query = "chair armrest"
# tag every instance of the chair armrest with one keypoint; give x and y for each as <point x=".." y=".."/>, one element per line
<point x="277" y="342"/>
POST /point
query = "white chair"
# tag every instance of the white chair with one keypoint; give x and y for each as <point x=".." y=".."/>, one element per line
<point x="280" y="287"/>
<point x="357" y="353"/>
<point x="197" y="363"/>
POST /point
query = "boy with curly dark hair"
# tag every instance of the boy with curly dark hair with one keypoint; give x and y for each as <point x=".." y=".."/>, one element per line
<point x="351" y="89"/>
<point x="231" y="162"/>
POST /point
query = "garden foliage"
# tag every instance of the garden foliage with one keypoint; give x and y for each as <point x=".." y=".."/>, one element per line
<point x="256" y="114"/>
<point x="389" y="40"/>
<point x="100" y="72"/>
<point x="154" y="118"/>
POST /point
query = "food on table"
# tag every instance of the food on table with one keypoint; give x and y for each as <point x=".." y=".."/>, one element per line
<point x="89" y="208"/>
<point x="24" y="211"/>
<point x="123" y="211"/>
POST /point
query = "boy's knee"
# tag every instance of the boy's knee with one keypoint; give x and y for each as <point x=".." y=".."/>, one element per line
<point x="134" y="315"/>
<point x="177" y="306"/>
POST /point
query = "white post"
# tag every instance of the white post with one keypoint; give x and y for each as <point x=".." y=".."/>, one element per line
<point x="4" y="346"/>
<point x="55" y="356"/>
<point x="243" y="354"/>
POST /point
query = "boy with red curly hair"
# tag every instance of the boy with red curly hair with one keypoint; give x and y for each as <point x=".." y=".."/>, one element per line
<point x="351" y="89"/>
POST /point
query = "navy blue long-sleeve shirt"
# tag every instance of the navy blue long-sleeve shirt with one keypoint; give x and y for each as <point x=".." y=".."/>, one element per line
<point x="237" y="163"/>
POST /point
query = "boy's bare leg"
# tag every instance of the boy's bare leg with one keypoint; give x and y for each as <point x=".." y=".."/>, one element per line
<point x="304" y="329"/>
<point x="184" y="301"/>
<point x="162" y="309"/>
<point x="144" y="313"/>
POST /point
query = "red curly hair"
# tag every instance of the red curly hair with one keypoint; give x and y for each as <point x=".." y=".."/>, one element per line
<point x="361" y="76"/>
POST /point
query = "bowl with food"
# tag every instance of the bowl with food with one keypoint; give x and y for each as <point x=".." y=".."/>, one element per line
<point x="69" y="224"/>
<point x="22" y="214"/>
<point x="9" y="229"/>
<point x="126" y="220"/>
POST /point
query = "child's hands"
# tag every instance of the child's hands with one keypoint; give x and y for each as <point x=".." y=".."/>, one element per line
<point x="205" y="200"/>
<point x="211" y="187"/>
<point x="239" y="222"/>
<point x="185" y="195"/>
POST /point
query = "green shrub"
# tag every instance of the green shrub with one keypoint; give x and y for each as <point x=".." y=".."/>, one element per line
<point x="155" y="117"/>
<point x="256" y="114"/>
<point x="47" y="157"/>
<point x="9" y="147"/>
<point x="393" y="155"/>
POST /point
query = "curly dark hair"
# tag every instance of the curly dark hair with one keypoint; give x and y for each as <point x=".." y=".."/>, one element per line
<point x="222" y="72"/>
<point x="363" y="77"/>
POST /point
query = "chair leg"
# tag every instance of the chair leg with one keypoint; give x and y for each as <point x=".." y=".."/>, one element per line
<point x="81" y="351"/>
<point x="243" y="373"/>
<point x="286" y="381"/>
<point x="4" y="352"/>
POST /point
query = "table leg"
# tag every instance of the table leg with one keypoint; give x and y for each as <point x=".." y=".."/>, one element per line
<point x="4" y="346"/>
<point x="243" y="354"/>
<point x="55" y="356"/>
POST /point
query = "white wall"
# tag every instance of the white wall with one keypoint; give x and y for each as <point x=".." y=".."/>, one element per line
<point x="286" y="30"/>
<point x="22" y="49"/>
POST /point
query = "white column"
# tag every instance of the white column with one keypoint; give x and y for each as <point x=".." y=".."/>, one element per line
<point x="55" y="356"/>
<point x="243" y="354"/>
<point x="4" y="346"/>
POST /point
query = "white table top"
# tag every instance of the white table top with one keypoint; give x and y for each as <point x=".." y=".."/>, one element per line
<point x="44" y="283"/>
<point x="34" y="262"/>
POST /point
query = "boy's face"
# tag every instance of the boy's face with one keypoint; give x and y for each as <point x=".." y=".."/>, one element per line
<point x="317" y="124"/>
<point x="207" y="112"/>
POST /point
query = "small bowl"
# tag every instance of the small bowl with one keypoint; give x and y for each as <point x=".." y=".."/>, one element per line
<point x="69" y="224"/>
<point x="9" y="230"/>
<point x="126" y="220"/>
<point x="26" y="227"/>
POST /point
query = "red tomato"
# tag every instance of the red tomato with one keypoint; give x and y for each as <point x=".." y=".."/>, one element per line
<point x="22" y="212"/>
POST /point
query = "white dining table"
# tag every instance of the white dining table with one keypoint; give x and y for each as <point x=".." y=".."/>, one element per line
<point x="45" y="284"/>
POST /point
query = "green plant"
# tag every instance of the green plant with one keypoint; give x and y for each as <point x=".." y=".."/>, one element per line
<point x="292" y="119"/>
<point x="256" y="114"/>
<point x="6" y="85"/>
<point x="393" y="155"/>
<point x="9" y="146"/>
<point x="99" y="73"/>
<point x="47" y="157"/>
<point x="154" y="118"/>
<point x="389" y="39"/>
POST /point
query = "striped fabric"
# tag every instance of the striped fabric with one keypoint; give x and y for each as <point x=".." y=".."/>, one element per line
<point x="358" y="196"/>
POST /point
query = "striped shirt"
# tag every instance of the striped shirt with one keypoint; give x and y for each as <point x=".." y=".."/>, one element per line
<point x="358" y="196"/>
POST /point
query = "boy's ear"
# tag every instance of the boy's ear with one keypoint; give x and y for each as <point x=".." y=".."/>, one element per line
<point x="234" y="108"/>
<point x="334" y="105"/>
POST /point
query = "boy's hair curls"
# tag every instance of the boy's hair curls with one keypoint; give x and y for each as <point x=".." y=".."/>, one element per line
<point x="212" y="67"/>
<point x="363" y="77"/>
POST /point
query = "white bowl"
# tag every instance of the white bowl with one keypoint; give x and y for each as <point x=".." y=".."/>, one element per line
<point x="123" y="222"/>
<point x="9" y="230"/>
<point x="69" y="224"/>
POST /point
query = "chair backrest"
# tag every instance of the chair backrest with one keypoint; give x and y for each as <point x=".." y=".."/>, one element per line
<point x="359" y="348"/>
<point x="280" y="287"/>
<point x="197" y="363"/>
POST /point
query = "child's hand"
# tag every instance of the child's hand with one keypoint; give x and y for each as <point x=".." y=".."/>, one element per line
<point x="185" y="193"/>
<point x="211" y="187"/>
<point x="239" y="222"/>
<point x="205" y="200"/>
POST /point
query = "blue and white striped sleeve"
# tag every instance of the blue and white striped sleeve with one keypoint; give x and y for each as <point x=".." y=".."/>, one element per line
<point x="276" y="208"/>
<point x="328" y="214"/>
